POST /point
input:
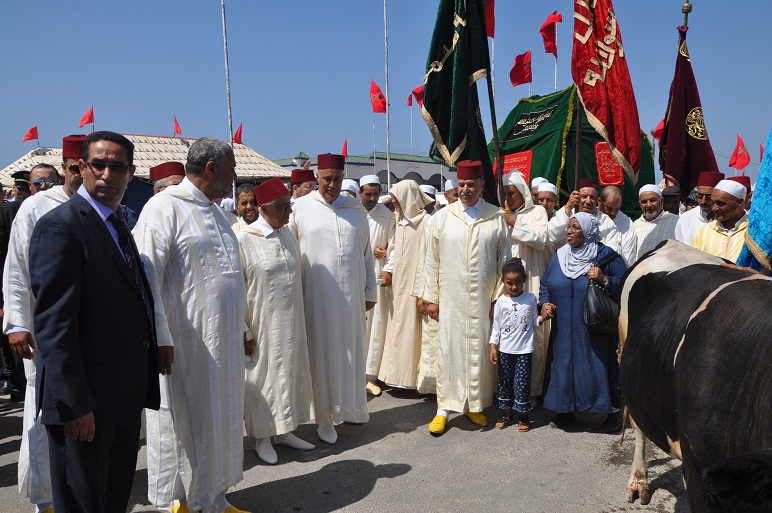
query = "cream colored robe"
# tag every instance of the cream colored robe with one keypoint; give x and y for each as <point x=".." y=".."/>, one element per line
<point x="278" y="395"/>
<point x="381" y="222"/>
<point x="402" y="349"/>
<point x="428" y="365"/>
<point x="650" y="233"/>
<point x="34" y="472"/>
<point x="338" y="273"/>
<point x="191" y="259"/>
<point x="463" y="265"/>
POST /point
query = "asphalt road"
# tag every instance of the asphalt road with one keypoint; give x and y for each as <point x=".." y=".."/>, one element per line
<point x="393" y="464"/>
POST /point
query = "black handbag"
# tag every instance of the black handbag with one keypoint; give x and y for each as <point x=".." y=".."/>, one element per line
<point x="601" y="311"/>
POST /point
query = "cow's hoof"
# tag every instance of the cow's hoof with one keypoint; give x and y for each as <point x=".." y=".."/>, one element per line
<point x="632" y="494"/>
<point x="638" y="491"/>
<point x="645" y="496"/>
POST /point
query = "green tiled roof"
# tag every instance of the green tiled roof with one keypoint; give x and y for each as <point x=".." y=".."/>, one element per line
<point x="365" y="159"/>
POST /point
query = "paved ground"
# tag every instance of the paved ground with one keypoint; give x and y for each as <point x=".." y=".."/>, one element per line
<point x="393" y="464"/>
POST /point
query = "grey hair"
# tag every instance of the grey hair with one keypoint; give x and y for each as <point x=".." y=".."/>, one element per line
<point x="203" y="150"/>
<point x="160" y="183"/>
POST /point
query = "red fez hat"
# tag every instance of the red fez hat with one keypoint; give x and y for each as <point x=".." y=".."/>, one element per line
<point x="269" y="191"/>
<point x="743" y="180"/>
<point x="709" y="178"/>
<point x="302" y="175"/>
<point x="72" y="146"/>
<point x="166" y="170"/>
<point x="587" y="182"/>
<point x="330" y="161"/>
<point x="469" y="170"/>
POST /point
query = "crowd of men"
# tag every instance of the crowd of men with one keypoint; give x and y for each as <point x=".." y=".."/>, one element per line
<point x="291" y="311"/>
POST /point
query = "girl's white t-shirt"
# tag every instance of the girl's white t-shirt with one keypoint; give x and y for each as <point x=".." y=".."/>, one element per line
<point x="514" y="319"/>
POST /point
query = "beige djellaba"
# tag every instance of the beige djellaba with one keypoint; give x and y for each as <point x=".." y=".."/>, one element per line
<point x="427" y="365"/>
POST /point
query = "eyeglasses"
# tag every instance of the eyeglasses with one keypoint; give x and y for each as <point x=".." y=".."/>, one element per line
<point x="703" y="196"/>
<point x="310" y="187"/>
<point x="573" y="229"/>
<point x="74" y="169"/>
<point x="38" y="182"/>
<point x="101" y="166"/>
<point x="280" y="208"/>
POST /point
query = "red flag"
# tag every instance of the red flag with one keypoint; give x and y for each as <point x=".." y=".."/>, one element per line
<point x="32" y="134"/>
<point x="761" y="152"/>
<point x="740" y="157"/>
<point x="490" y="19"/>
<point x="600" y="72"/>
<point x="87" y="118"/>
<point x="548" y="32"/>
<point x="177" y="129"/>
<point x="418" y="92"/>
<point x="657" y="132"/>
<point x="521" y="71"/>
<point x="237" y="135"/>
<point x="344" y="150"/>
<point x="377" y="98"/>
<point x="410" y="100"/>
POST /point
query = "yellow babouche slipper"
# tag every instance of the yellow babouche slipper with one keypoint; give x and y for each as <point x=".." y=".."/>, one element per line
<point x="49" y="510"/>
<point x="477" y="418"/>
<point x="233" y="509"/>
<point x="437" y="425"/>
<point x="180" y="508"/>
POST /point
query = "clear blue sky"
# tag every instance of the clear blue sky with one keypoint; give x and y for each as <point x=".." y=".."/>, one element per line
<point x="300" y="70"/>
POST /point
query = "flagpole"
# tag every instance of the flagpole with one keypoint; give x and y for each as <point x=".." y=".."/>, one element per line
<point x="375" y="158"/>
<point x="499" y="160"/>
<point x="686" y="9"/>
<point x="556" y="57"/>
<point x="228" y="85"/>
<point x="388" y="133"/>
<point x="411" y="127"/>
<point x="493" y="65"/>
<point x="529" y="83"/>
<point x="578" y="159"/>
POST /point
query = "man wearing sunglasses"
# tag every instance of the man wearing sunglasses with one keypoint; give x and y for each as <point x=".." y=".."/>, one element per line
<point x="34" y="471"/>
<point x="692" y="221"/>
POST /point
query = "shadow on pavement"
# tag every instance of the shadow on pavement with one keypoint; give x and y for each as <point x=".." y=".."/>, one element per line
<point x="673" y="482"/>
<point x="332" y="487"/>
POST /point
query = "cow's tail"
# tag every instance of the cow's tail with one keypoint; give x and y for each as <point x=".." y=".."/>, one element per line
<point x="625" y="421"/>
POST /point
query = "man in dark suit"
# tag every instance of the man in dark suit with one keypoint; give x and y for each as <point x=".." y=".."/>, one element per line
<point x="95" y="331"/>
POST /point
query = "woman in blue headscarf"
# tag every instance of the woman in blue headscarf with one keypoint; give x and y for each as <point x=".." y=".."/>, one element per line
<point x="582" y="370"/>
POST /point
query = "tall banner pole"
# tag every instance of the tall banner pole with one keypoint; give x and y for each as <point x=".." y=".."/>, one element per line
<point x="578" y="160"/>
<point x="499" y="160"/>
<point x="556" y="58"/>
<point x="227" y="85"/>
<point x="388" y="133"/>
<point x="493" y="66"/>
<point x="411" y="127"/>
<point x="375" y="157"/>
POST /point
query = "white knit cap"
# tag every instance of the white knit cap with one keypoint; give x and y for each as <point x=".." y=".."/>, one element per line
<point x="450" y="184"/>
<point x="545" y="186"/>
<point x="428" y="189"/>
<point x="650" y="188"/>
<point x="735" y="189"/>
<point x="538" y="181"/>
<point x="369" y="180"/>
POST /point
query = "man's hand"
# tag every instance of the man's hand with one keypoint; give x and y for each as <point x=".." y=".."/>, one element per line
<point x="20" y="343"/>
<point x="433" y="311"/>
<point x="509" y="216"/>
<point x="165" y="360"/>
<point x="249" y="346"/>
<point x="307" y="165"/>
<point x="386" y="277"/>
<point x="573" y="201"/>
<point x="81" y="428"/>
<point x="420" y="304"/>
<point x="369" y="305"/>
<point x="379" y="252"/>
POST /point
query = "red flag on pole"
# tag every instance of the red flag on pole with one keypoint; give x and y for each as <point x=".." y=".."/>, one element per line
<point x="418" y="92"/>
<point x="237" y="135"/>
<point x="32" y="134"/>
<point x="177" y="129"/>
<point x="410" y="100"/>
<point x="549" y="34"/>
<point x="657" y="132"/>
<point x="761" y="152"/>
<point x="740" y="157"/>
<point x="377" y="98"/>
<point x="344" y="150"/>
<point x="490" y="18"/>
<point x="521" y="71"/>
<point x="600" y="72"/>
<point x="87" y="118"/>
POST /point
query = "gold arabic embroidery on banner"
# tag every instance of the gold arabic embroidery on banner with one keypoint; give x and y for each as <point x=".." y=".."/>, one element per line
<point x="684" y="51"/>
<point x="695" y="124"/>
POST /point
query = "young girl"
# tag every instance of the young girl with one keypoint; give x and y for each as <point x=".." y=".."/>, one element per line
<point x="512" y="344"/>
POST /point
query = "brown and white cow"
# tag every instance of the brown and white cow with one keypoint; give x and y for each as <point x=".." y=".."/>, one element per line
<point x="696" y="367"/>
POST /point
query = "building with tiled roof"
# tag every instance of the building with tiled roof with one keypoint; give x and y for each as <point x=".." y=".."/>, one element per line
<point x="422" y="169"/>
<point x="151" y="150"/>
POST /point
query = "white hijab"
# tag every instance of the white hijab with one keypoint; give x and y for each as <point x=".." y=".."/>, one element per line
<point x="516" y="178"/>
<point x="576" y="262"/>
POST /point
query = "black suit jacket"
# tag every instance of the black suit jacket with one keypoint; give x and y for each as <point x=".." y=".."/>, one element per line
<point x="97" y="342"/>
<point x="8" y="213"/>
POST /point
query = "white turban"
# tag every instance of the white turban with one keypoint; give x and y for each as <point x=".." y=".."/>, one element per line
<point x="545" y="186"/>
<point x="538" y="181"/>
<point x="350" y="185"/>
<point x="429" y="189"/>
<point x="369" y="180"/>
<point x="650" y="188"/>
<point x="737" y="190"/>
<point x="450" y="184"/>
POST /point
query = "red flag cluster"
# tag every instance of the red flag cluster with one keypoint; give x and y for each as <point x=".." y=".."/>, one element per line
<point x="740" y="157"/>
<point x="376" y="98"/>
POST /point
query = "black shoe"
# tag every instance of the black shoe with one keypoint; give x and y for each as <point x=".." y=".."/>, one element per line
<point x="5" y="406"/>
<point x="17" y="397"/>
<point x="5" y="388"/>
<point x="563" y="420"/>
<point x="612" y="425"/>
